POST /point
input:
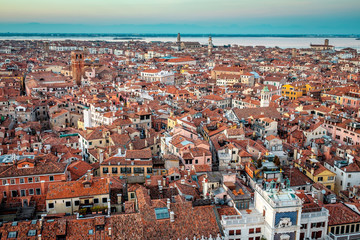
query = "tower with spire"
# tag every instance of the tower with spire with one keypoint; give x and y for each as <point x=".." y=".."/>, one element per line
<point x="265" y="97"/>
<point x="210" y="46"/>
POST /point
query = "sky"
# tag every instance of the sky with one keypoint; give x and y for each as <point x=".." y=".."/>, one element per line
<point x="186" y="16"/>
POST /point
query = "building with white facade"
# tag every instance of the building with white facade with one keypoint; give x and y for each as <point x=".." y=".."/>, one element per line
<point x="278" y="214"/>
<point x="155" y="75"/>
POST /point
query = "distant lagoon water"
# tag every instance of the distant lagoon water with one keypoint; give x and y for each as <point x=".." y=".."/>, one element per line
<point x="282" y="42"/>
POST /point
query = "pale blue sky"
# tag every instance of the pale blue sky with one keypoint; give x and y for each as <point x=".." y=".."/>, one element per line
<point x="224" y="16"/>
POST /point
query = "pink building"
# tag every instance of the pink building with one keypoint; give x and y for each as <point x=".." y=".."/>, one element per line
<point x="351" y="99"/>
<point x="344" y="132"/>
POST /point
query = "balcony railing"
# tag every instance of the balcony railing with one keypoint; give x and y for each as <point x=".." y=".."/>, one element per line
<point x="323" y="213"/>
<point x="235" y="220"/>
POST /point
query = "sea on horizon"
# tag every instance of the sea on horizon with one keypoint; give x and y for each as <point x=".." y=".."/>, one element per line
<point x="282" y="42"/>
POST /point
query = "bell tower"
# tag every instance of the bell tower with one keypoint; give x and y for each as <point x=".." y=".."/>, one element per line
<point x="265" y="97"/>
<point x="178" y="39"/>
<point x="77" y="66"/>
<point x="210" y="46"/>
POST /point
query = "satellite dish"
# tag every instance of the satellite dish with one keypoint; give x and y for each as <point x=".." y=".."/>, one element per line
<point x="323" y="191"/>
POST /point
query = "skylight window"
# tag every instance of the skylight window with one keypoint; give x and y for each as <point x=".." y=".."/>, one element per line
<point x="12" y="234"/>
<point x="32" y="233"/>
<point x="161" y="213"/>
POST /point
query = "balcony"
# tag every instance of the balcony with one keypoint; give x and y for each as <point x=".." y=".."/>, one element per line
<point x="322" y="213"/>
<point x="227" y="221"/>
<point x="284" y="198"/>
<point x="344" y="236"/>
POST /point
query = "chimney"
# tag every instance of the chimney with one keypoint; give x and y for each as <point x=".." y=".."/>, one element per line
<point x="109" y="231"/>
<point x="39" y="237"/>
<point x="182" y="181"/>
<point x="88" y="175"/>
<point x="172" y="216"/>
<point x="205" y="187"/>
<point x="109" y="209"/>
<point x="168" y="203"/>
<point x="131" y="146"/>
<point x="101" y="156"/>
<point x="42" y="182"/>
<point x="119" y="196"/>
<point x="146" y="143"/>
<point x="164" y="181"/>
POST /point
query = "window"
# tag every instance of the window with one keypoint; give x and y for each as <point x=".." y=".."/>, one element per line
<point x="31" y="233"/>
<point x="331" y="178"/>
<point x="68" y="204"/>
<point x="149" y="170"/>
<point x="30" y="180"/>
<point x="22" y="193"/>
<point x="51" y="178"/>
<point x="251" y="230"/>
<point x="258" y="230"/>
<point x="105" y="170"/>
<point x="12" y="181"/>
<point x="132" y="195"/>
<point x="22" y="180"/>
<point x="37" y="179"/>
<point x="38" y="191"/>
<point x="139" y="170"/>
<point x="125" y="170"/>
<point x="231" y="232"/>
<point x="104" y="200"/>
<point x="91" y="232"/>
<point x="12" y="235"/>
<point x="161" y="213"/>
<point x="77" y="203"/>
<point x="238" y="232"/>
<point x="14" y="193"/>
<point x="4" y="182"/>
<point x="90" y="143"/>
<point x="96" y="200"/>
<point x="51" y="205"/>
<point x="114" y="170"/>
<point x="4" y="194"/>
<point x="320" y="179"/>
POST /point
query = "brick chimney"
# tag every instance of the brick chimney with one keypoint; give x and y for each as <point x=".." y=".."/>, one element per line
<point x="42" y="182"/>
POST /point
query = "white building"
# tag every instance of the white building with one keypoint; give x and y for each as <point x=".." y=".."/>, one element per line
<point x="347" y="174"/>
<point x="155" y="75"/>
<point x="276" y="215"/>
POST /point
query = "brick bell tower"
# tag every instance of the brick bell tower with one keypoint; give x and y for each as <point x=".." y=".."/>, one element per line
<point x="77" y="65"/>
